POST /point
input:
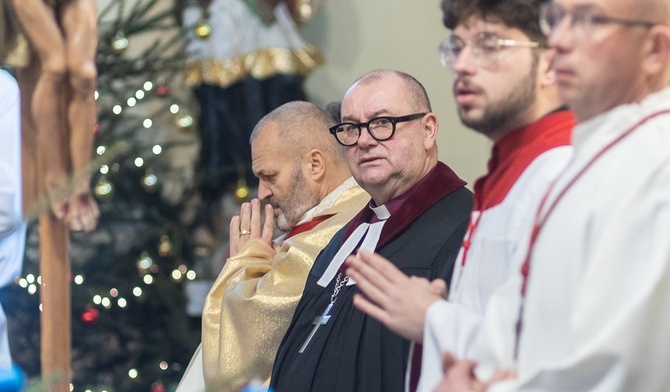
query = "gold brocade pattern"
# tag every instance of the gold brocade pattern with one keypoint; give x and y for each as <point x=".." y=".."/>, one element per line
<point x="261" y="64"/>
<point x="250" y="306"/>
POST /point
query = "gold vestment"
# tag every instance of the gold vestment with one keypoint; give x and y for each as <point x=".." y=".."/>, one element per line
<point x="250" y="306"/>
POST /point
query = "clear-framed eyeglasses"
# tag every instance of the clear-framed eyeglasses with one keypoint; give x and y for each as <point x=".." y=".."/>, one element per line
<point x="583" y="20"/>
<point x="380" y="128"/>
<point x="485" y="48"/>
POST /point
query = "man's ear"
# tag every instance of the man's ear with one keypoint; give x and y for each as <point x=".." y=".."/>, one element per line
<point x="545" y="68"/>
<point x="657" y="51"/>
<point x="314" y="164"/>
<point x="430" y="126"/>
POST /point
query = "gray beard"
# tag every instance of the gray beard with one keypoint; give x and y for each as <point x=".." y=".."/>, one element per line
<point x="298" y="201"/>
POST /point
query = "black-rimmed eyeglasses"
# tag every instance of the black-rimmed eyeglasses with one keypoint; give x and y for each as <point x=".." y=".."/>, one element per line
<point x="380" y="128"/>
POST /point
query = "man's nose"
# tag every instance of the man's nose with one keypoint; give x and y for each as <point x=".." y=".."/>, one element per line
<point x="365" y="138"/>
<point x="263" y="191"/>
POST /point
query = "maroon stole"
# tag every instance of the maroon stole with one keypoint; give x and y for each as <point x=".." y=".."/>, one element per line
<point x="437" y="184"/>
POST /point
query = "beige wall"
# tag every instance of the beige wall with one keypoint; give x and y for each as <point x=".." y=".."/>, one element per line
<point x="357" y="36"/>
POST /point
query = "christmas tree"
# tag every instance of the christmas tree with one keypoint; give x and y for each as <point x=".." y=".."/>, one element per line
<point x="131" y="331"/>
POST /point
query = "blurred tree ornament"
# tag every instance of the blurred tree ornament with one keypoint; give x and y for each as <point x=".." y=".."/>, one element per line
<point x="165" y="246"/>
<point x="162" y="88"/>
<point x="120" y="43"/>
<point x="144" y="263"/>
<point x="158" y="387"/>
<point x="203" y="30"/>
<point x="149" y="181"/>
<point x="104" y="190"/>
<point x="241" y="192"/>
<point x="184" y="121"/>
<point x="90" y="315"/>
<point x="306" y="11"/>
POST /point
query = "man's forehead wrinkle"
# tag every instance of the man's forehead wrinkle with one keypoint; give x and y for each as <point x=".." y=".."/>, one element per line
<point x="375" y="104"/>
<point x="367" y="115"/>
<point x="264" y="157"/>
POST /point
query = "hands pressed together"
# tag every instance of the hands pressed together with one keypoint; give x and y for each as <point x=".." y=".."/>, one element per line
<point x="249" y="225"/>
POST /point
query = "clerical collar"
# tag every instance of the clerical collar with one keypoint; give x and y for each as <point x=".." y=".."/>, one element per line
<point x="393" y="205"/>
<point x="381" y="213"/>
<point x="365" y="236"/>
<point x="438" y="183"/>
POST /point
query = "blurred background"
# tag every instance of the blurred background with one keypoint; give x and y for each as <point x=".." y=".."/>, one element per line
<point x="177" y="97"/>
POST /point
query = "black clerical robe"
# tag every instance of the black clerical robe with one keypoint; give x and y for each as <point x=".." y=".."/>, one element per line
<point x="352" y="351"/>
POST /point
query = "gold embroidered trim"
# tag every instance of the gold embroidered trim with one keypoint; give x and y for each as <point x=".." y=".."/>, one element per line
<point x="260" y="65"/>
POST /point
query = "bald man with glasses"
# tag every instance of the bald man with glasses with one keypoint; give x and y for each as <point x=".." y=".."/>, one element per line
<point x="416" y="218"/>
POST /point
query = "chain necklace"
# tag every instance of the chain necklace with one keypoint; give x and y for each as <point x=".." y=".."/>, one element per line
<point x="323" y="319"/>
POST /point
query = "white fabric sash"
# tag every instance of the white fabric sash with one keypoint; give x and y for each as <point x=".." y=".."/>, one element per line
<point x="368" y="232"/>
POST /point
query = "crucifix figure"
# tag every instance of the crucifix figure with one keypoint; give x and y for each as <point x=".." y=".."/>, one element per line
<point x="63" y="35"/>
<point x="318" y="321"/>
<point x="57" y="79"/>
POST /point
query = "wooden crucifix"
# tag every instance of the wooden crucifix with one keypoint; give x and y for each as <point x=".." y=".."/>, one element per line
<point x="58" y="118"/>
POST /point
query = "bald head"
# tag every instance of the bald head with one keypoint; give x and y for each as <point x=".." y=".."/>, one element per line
<point x="417" y="94"/>
<point x="302" y="126"/>
<point x="297" y="161"/>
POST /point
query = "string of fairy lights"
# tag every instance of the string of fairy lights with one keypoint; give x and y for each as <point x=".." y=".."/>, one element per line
<point x="104" y="190"/>
<point x="147" y="269"/>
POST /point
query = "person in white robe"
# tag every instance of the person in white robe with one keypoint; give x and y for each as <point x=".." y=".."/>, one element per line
<point x="511" y="97"/>
<point x="588" y="310"/>
<point x="12" y="225"/>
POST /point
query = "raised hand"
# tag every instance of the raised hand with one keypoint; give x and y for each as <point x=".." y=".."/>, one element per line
<point x="396" y="300"/>
<point x="249" y="224"/>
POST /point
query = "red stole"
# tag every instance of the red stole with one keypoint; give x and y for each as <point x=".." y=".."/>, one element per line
<point x="303" y="227"/>
<point x="513" y="153"/>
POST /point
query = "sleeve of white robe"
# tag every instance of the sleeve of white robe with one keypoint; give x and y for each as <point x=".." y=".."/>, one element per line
<point x="12" y="228"/>
<point x="447" y="325"/>
<point x="10" y="155"/>
<point x="620" y="322"/>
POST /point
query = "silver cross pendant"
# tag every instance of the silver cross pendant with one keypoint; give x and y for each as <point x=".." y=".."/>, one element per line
<point x="318" y="321"/>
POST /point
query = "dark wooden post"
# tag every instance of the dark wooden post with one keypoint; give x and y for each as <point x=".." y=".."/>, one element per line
<point x="56" y="335"/>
